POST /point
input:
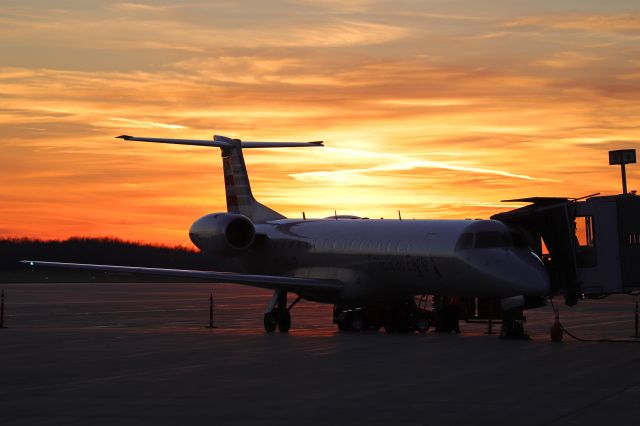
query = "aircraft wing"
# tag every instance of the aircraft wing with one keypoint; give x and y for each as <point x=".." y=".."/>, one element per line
<point x="273" y="282"/>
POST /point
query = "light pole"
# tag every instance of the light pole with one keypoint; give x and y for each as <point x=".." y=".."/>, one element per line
<point x="622" y="157"/>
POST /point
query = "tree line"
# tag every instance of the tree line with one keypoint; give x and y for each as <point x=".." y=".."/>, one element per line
<point x="107" y="251"/>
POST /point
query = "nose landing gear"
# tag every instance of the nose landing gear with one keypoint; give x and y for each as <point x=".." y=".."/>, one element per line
<point x="513" y="325"/>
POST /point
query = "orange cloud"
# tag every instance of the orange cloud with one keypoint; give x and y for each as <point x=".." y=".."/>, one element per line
<point x="608" y="23"/>
<point x="421" y="111"/>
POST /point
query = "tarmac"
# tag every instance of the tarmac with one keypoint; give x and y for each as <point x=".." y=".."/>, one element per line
<point x="140" y="353"/>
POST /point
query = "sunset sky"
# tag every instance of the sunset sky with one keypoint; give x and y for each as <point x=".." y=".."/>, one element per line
<point x="439" y="109"/>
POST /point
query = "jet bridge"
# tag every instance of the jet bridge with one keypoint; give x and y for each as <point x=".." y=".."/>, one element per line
<point x="590" y="247"/>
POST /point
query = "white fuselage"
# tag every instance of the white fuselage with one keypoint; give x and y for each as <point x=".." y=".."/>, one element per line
<point x="384" y="260"/>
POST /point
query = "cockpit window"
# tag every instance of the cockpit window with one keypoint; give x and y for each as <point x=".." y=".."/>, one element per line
<point x="519" y="240"/>
<point x="465" y="241"/>
<point x="493" y="239"/>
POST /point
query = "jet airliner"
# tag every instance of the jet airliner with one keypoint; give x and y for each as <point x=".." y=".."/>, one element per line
<point x="359" y="265"/>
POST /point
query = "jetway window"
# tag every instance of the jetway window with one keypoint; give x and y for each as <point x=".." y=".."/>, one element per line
<point x="584" y="231"/>
<point x="543" y="247"/>
<point x="585" y="239"/>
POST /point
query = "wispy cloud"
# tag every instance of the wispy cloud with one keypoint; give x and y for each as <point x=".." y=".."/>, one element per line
<point x="143" y="124"/>
<point x="569" y="60"/>
<point x="347" y="175"/>
<point x="423" y="108"/>
<point x="607" y="23"/>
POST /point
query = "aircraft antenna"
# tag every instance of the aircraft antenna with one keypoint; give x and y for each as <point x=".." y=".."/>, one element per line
<point x="399" y="215"/>
<point x="304" y="217"/>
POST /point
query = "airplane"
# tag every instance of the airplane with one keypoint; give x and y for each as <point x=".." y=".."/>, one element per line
<point x="370" y="270"/>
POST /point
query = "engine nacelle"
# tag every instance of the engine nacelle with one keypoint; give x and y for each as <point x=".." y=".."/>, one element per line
<point x="223" y="233"/>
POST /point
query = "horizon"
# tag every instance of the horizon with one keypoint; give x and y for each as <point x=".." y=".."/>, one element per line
<point x="98" y="239"/>
<point x="437" y="109"/>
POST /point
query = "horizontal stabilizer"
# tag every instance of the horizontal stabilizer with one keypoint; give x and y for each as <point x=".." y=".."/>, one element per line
<point x="221" y="142"/>
<point x="198" y="142"/>
<point x="296" y="285"/>
<point x="279" y="144"/>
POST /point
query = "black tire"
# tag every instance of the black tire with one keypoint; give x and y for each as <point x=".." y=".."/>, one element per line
<point x="342" y="325"/>
<point x="389" y="327"/>
<point x="270" y="322"/>
<point x="284" y="321"/>
<point x="388" y="323"/>
<point x="421" y="323"/>
<point x="357" y="322"/>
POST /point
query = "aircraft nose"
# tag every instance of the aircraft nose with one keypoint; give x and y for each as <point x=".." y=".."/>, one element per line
<point x="514" y="273"/>
<point x="528" y="273"/>
<point x="534" y="282"/>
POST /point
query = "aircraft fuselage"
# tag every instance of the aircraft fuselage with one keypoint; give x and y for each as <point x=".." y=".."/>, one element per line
<point x="388" y="260"/>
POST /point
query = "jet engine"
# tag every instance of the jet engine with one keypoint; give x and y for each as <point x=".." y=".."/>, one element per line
<point x="223" y="233"/>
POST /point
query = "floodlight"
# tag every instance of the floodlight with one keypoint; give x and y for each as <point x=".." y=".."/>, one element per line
<point x="622" y="157"/>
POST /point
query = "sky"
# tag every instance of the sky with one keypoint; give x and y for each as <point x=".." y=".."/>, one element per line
<point x="439" y="109"/>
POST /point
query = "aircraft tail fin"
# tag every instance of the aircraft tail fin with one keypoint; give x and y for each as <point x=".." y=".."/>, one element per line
<point x="236" y="179"/>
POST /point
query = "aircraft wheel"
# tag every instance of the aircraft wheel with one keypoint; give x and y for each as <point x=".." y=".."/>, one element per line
<point x="357" y="322"/>
<point x="284" y="321"/>
<point x="422" y="324"/>
<point x="270" y="322"/>
<point x="342" y="325"/>
<point x="388" y="323"/>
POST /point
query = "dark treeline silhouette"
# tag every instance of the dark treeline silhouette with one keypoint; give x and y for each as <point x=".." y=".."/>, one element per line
<point x="106" y="251"/>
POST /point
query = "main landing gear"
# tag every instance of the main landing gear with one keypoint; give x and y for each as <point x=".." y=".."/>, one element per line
<point x="278" y="315"/>
<point x="402" y="318"/>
